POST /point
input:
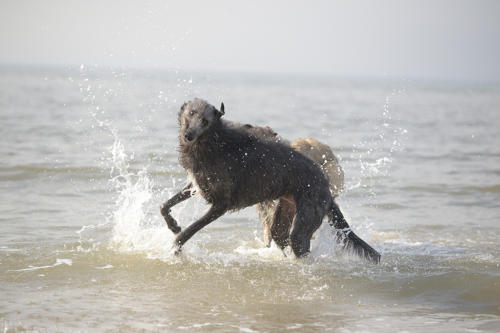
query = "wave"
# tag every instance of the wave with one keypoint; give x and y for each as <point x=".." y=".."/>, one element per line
<point x="489" y="188"/>
<point x="58" y="262"/>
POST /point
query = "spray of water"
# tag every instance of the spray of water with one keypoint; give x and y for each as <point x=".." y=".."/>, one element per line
<point x="377" y="159"/>
<point x="134" y="191"/>
<point x="134" y="228"/>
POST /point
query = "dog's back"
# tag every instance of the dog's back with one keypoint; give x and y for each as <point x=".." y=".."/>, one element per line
<point x="243" y="169"/>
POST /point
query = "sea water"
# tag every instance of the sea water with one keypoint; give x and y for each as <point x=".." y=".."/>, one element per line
<point x="89" y="155"/>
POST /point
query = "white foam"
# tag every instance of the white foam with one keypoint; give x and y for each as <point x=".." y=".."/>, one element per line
<point x="58" y="262"/>
<point x="260" y="251"/>
<point x="68" y="262"/>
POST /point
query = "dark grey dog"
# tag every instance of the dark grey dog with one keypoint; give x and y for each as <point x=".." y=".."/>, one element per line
<point x="234" y="169"/>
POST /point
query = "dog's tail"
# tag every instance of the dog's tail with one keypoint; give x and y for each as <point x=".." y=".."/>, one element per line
<point x="347" y="237"/>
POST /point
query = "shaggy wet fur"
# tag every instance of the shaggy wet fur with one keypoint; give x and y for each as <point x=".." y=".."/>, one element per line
<point x="233" y="169"/>
<point x="322" y="155"/>
<point x="277" y="224"/>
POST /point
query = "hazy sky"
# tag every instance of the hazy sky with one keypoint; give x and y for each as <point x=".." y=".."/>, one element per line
<point x="405" y="39"/>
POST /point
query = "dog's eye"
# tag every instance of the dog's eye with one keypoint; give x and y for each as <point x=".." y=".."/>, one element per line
<point x="191" y="113"/>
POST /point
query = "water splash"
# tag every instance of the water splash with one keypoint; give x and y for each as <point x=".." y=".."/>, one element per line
<point x="375" y="156"/>
<point x="133" y="226"/>
<point x="377" y="160"/>
<point x="134" y="230"/>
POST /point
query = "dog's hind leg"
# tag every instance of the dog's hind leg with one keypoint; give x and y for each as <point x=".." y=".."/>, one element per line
<point x="282" y="221"/>
<point x="184" y="194"/>
<point x="213" y="213"/>
<point x="307" y="220"/>
<point x="266" y="210"/>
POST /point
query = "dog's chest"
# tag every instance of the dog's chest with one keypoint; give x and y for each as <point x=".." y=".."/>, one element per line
<point x="210" y="182"/>
<point x="192" y="180"/>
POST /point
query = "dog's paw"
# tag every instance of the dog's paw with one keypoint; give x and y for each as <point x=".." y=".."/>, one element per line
<point x="176" y="250"/>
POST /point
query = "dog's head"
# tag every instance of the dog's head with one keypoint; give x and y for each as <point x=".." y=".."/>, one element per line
<point x="196" y="117"/>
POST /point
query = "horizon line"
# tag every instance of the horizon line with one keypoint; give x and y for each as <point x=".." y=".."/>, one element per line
<point x="303" y="74"/>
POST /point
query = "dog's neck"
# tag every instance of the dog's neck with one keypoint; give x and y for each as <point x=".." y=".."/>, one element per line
<point x="201" y="149"/>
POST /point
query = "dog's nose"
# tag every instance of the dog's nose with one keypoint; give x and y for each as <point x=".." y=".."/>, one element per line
<point x="189" y="136"/>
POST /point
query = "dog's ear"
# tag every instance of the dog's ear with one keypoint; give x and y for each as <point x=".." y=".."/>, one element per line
<point x="220" y="113"/>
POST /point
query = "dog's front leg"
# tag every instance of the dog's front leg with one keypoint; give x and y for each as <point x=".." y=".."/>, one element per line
<point x="213" y="213"/>
<point x="184" y="194"/>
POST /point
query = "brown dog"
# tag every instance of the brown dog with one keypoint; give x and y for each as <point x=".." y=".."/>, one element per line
<point x="284" y="207"/>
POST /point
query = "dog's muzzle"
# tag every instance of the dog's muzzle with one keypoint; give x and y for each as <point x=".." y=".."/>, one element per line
<point x="189" y="136"/>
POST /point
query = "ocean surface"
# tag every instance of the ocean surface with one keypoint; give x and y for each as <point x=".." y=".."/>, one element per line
<point x="89" y="155"/>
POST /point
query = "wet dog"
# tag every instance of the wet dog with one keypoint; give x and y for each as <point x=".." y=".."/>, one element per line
<point x="234" y="169"/>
